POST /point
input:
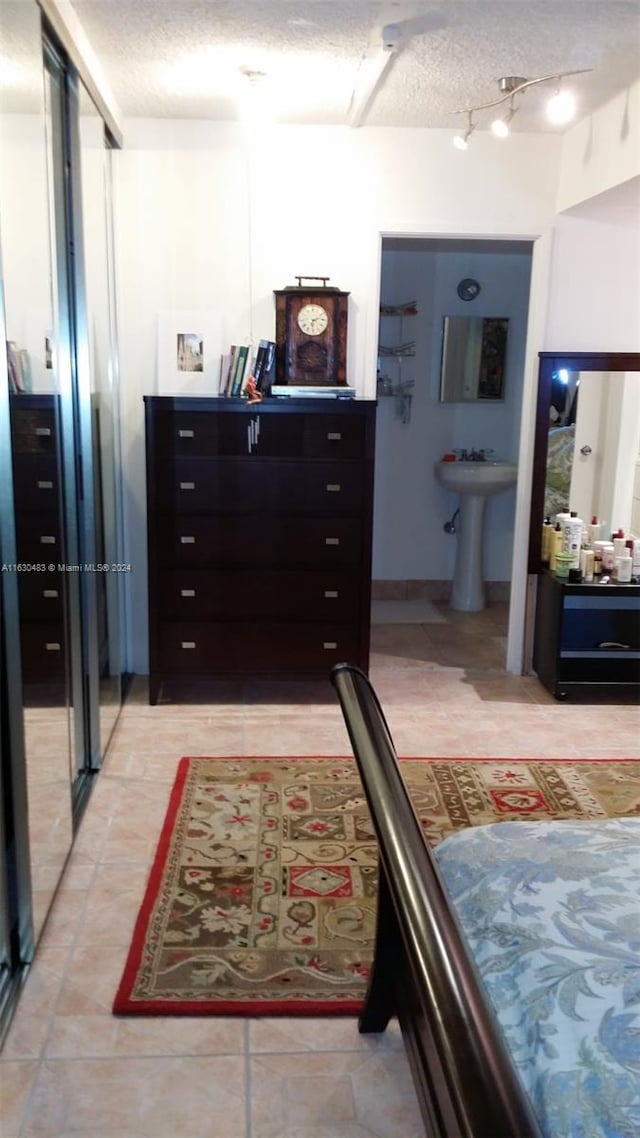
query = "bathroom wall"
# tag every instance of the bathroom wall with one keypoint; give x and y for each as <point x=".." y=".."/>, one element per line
<point x="410" y="506"/>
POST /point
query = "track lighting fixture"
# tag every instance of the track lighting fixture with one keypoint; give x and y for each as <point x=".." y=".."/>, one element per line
<point x="461" y="140"/>
<point x="561" y="107"/>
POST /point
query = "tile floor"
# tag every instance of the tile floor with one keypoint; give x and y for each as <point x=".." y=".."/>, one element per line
<point x="69" y="1069"/>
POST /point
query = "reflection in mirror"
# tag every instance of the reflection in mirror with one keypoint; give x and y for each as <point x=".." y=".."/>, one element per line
<point x="473" y="358"/>
<point x="587" y="441"/>
<point x="106" y="587"/>
<point x="35" y="419"/>
<point x="593" y="447"/>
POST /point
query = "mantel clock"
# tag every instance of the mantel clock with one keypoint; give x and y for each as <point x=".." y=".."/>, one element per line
<point x="311" y="333"/>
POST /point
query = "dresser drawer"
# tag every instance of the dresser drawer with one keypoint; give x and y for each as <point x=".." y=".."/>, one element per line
<point x="245" y="485"/>
<point x="193" y="647"/>
<point x="41" y="597"/>
<point x="38" y="537"/>
<point x="43" y="655"/>
<point x="243" y="594"/>
<point x="33" y="429"/>
<point x="36" y="482"/>
<point x="251" y="431"/>
<point x="258" y="540"/>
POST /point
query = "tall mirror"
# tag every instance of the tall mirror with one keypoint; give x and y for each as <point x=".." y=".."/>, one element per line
<point x="587" y="440"/>
<point x="36" y="600"/>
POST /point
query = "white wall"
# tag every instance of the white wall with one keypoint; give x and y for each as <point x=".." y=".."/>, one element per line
<point x="410" y="506"/>
<point x="320" y="198"/>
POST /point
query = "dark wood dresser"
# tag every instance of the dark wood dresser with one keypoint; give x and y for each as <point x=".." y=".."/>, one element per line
<point x="259" y="524"/>
<point x="37" y="479"/>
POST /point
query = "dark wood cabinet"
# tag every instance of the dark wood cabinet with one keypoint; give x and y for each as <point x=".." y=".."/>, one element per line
<point x="587" y="638"/>
<point x="259" y="524"/>
<point x="37" y="479"/>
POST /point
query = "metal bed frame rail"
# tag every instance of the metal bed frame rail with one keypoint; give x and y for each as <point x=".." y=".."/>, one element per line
<point x="464" y="1077"/>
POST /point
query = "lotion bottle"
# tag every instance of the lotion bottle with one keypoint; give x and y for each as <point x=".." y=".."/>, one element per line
<point x="555" y="545"/>
<point x="547" y="530"/>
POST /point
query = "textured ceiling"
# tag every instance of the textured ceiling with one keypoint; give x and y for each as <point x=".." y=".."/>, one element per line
<point x="182" y="58"/>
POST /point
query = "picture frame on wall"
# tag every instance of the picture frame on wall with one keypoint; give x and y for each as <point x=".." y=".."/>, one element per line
<point x="189" y="348"/>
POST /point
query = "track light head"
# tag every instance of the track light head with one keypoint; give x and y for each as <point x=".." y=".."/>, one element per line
<point x="560" y="109"/>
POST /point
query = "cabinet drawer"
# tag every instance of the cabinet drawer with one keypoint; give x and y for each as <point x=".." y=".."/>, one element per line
<point x="41" y="597"/>
<point x="189" y="485"/>
<point x="193" y="647"/>
<point x="33" y="429"/>
<point x="257" y="540"/>
<point x="244" y="595"/>
<point x="262" y="434"/>
<point x="38" y="538"/>
<point x="43" y="653"/>
<point x="36" y="482"/>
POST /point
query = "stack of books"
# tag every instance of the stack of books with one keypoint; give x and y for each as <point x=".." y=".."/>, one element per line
<point x="240" y="365"/>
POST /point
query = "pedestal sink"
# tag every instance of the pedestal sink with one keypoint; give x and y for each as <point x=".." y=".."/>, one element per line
<point x="474" y="482"/>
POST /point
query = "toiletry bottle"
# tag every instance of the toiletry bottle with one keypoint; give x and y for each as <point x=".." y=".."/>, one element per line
<point x="594" y="530"/>
<point x="619" y="547"/>
<point x="572" y="537"/>
<point x="623" y="569"/>
<point x="635" y="569"/>
<point x="555" y="545"/>
<point x="597" y="564"/>
<point x="547" y="530"/>
<point x="586" y="564"/>
<point x="608" y="558"/>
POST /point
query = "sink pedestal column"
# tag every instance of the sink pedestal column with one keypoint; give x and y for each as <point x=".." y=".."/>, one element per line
<point x="467" y="594"/>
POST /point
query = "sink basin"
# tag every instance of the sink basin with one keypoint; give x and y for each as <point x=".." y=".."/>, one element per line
<point x="474" y="482"/>
<point x="479" y="478"/>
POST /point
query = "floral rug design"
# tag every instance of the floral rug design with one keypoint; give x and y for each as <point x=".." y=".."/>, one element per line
<point x="262" y="896"/>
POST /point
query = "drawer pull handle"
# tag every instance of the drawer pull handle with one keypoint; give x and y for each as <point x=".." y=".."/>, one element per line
<point x="186" y="540"/>
<point x="50" y="593"/>
<point x="187" y="592"/>
<point x="615" y="644"/>
<point x="44" y="432"/>
<point x="187" y="485"/>
<point x="334" y="436"/>
<point x="187" y="644"/>
<point x="52" y="647"/>
<point x="186" y="434"/>
<point x="332" y="541"/>
<point x="333" y="487"/>
<point x="44" y="484"/>
<point x="331" y="593"/>
<point x="330" y="644"/>
<point x="47" y="539"/>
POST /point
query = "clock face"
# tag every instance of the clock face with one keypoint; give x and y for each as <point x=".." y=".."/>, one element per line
<point x="468" y="289"/>
<point x="312" y="319"/>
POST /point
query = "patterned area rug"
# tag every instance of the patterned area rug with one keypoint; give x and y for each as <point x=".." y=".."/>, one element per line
<point x="261" y="899"/>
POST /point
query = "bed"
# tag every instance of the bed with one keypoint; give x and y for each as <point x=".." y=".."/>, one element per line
<point x="510" y="955"/>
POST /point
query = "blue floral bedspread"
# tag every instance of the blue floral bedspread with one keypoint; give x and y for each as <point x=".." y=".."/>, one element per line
<point x="551" y="911"/>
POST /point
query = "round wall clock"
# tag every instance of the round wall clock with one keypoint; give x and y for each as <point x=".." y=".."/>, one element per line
<point x="311" y="333"/>
<point x="468" y="289"/>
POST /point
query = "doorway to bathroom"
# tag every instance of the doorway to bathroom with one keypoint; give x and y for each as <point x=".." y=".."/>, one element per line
<point x="423" y="281"/>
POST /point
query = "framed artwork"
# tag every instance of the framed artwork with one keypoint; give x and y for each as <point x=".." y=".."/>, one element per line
<point x="189" y="347"/>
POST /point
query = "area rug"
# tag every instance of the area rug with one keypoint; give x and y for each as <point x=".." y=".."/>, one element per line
<point x="261" y="898"/>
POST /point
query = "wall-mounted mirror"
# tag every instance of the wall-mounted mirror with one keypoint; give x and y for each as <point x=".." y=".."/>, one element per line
<point x="587" y="439"/>
<point x="474" y="352"/>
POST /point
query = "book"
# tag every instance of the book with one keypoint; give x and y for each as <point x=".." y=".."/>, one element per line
<point x="239" y="369"/>
<point x="225" y="386"/>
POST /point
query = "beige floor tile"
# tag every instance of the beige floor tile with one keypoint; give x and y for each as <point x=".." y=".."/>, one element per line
<point x="16" y="1082"/>
<point x="333" y="1093"/>
<point x="190" y="1096"/>
<point x="329" y="1033"/>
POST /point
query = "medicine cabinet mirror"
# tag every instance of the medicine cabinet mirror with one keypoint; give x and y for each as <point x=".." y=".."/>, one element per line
<point x="587" y="439"/>
<point x="473" y="358"/>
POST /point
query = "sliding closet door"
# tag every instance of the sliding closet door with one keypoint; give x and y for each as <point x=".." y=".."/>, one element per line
<point x="38" y="755"/>
<point x="99" y="420"/>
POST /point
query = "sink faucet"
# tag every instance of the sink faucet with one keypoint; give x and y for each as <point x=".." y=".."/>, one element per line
<point x="474" y="455"/>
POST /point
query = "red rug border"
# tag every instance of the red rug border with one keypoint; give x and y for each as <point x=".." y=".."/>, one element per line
<point x="122" y="1004"/>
